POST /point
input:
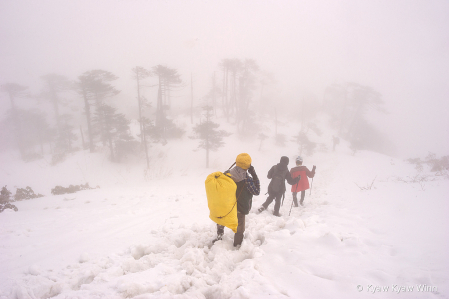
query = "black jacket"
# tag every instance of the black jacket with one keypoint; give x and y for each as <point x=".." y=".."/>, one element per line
<point x="278" y="174"/>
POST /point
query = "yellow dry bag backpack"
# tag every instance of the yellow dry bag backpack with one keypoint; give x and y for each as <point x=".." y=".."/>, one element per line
<point x="220" y="191"/>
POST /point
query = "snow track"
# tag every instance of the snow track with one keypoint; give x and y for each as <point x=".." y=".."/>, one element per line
<point x="153" y="241"/>
<point x="178" y="263"/>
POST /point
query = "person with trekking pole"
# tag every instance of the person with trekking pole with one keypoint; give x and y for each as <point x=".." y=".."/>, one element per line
<point x="276" y="189"/>
<point x="303" y="184"/>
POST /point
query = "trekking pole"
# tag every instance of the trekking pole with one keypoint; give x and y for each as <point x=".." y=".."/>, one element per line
<point x="293" y="200"/>
<point x="290" y="208"/>
<point x="311" y="185"/>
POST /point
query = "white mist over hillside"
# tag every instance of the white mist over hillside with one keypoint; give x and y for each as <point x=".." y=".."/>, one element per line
<point x="369" y="224"/>
<point x="398" y="48"/>
<point x="87" y="86"/>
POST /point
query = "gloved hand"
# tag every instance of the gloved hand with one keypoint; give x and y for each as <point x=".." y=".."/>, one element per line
<point x="314" y="167"/>
<point x="252" y="171"/>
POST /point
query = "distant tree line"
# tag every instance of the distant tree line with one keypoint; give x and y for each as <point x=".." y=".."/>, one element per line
<point x="240" y="94"/>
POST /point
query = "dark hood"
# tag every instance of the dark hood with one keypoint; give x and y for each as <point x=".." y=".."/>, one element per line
<point x="284" y="162"/>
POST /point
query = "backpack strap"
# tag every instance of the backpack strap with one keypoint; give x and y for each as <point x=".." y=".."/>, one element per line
<point x="233" y="205"/>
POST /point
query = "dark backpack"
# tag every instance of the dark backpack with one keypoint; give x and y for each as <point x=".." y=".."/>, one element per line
<point x="277" y="184"/>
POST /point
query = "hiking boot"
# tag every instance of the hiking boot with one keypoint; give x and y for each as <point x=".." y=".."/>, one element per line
<point x="261" y="209"/>
<point x="238" y="239"/>
<point x="219" y="237"/>
<point x="277" y="214"/>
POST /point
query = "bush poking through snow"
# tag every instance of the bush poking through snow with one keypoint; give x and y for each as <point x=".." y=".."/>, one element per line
<point x="70" y="189"/>
<point x="4" y="206"/>
<point x="5" y="195"/>
<point x="305" y="145"/>
<point x="368" y="186"/>
<point x="435" y="164"/>
<point x="418" y="178"/>
<point x="25" y="193"/>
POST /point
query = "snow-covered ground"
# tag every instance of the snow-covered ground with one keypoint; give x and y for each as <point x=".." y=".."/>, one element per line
<point x="147" y="234"/>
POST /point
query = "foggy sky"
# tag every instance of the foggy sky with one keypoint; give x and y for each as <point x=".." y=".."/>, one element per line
<point x="400" y="48"/>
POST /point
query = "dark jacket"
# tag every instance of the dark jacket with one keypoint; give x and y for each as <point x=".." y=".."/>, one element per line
<point x="246" y="188"/>
<point x="245" y="191"/>
<point x="278" y="174"/>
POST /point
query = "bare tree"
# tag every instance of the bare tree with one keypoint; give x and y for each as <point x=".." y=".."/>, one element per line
<point x="139" y="73"/>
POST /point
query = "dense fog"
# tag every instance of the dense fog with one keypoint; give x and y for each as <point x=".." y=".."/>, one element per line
<point x="378" y="67"/>
<point x="119" y="119"/>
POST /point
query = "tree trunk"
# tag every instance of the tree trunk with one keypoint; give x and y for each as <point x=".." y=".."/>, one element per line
<point x="111" y="147"/>
<point x="82" y="137"/>
<point x="226" y="95"/>
<point x="89" y="124"/>
<point x="54" y="99"/>
<point x="213" y="95"/>
<point x="207" y="153"/>
<point x="140" y="107"/>
<point x="145" y="147"/>
<point x="17" y="125"/>
<point x="343" y="113"/>
<point x="303" y="116"/>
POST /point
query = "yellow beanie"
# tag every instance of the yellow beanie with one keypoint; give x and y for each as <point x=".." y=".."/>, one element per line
<point x="243" y="161"/>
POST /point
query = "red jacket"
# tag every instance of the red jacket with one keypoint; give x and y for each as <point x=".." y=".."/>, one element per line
<point x="303" y="183"/>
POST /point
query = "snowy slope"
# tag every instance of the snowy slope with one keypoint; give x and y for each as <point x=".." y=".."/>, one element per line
<point x="147" y="234"/>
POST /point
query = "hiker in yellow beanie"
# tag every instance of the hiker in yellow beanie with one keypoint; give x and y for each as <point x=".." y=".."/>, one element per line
<point x="247" y="186"/>
<point x="243" y="161"/>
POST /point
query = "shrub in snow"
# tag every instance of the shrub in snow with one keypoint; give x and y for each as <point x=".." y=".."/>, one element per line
<point x="71" y="189"/>
<point x="4" y="206"/>
<point x="436" y="164"/>
<point x="25" y="193"/>
<point x="5" y="195"/>
<point x="126" y="147"/>
<point x="305" y="145"/>
<point x="172" y="131"/>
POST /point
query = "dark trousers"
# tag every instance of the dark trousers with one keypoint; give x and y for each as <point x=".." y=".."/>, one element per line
<point x="295" y="200"/>
<point x="270" y="199"/>
<point x="238" y="237"/>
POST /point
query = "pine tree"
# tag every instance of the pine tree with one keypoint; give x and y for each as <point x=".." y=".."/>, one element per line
<point x="94" y="87"/>
<point x="168" y="79"/>
<point x="210" y="138"/>
<point x="34" y="131"/>
<point x="305" y="144"/>
<point x="64" y="138"/>
<point x="14" y="92"/>
<point x="114" y="128"/>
